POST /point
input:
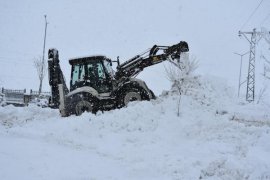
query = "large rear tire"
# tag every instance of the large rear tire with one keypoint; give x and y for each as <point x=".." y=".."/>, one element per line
<point x="131" y="96"/>
<point x="83" y="106"/>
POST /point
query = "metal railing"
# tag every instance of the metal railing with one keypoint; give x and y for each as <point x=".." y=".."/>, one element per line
<point x="20" y="97"/>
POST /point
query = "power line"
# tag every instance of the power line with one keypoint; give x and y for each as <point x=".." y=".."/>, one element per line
<point x="251" y="15"/>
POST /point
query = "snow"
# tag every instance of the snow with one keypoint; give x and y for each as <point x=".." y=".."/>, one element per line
<point x="215" y="137"/>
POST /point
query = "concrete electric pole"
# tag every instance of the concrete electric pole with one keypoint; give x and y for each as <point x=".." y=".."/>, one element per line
<point x="43" y="63"/>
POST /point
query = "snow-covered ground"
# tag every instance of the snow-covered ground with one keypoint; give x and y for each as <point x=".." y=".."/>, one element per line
<point x="215" y="137"/>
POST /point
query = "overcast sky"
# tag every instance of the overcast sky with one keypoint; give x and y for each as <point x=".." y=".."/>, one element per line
<point x="125" y="28"/>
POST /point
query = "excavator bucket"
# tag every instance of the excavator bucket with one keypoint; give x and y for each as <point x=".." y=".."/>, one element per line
<point x="177" y="48"/>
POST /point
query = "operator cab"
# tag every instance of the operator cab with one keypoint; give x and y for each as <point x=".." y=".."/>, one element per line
<point x="93" y="71"/>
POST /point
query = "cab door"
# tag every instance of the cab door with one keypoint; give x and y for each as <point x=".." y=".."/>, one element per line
<point x="98" y="77"/>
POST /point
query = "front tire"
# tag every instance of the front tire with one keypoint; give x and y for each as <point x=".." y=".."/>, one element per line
<point x="131" y="96"/>
<point x="83" y="106"/>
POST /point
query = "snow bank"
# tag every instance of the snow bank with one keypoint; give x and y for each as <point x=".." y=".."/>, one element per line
<point x="215" y="137"/>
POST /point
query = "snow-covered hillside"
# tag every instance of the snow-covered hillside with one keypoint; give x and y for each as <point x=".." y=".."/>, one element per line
<point x="215" y="137"/>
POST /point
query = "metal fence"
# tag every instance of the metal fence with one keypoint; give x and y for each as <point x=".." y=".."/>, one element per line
<point x="42" y="94"/>
<point x="19" y="97"/>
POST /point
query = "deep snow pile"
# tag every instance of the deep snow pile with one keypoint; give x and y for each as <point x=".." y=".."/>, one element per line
<point x="215" y="137"/>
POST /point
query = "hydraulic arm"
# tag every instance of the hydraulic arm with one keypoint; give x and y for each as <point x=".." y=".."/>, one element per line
<point x="155" y="55"/>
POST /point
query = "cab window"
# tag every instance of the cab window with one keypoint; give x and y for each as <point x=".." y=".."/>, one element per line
<point x="78" y="73"/>
<point x="96" y="71"/>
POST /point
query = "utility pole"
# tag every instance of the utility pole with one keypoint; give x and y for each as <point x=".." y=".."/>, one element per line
<point x="254" y="39"/>
<point x="240" y="73"/>
<point x="42" y="67"/>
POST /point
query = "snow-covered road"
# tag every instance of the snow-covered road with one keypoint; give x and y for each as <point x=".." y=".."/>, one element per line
<point x="214" y="138"/>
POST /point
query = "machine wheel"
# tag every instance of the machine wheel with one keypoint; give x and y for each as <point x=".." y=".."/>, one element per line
<point x="83" y="106"/>
<point x="131" y="96"/>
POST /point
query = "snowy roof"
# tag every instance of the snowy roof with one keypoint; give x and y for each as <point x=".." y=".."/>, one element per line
<point x="86" y="58"/>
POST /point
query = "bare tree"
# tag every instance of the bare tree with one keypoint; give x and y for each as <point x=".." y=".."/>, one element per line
<point x="41" y="71"/>
<point x="179" y="74"/>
